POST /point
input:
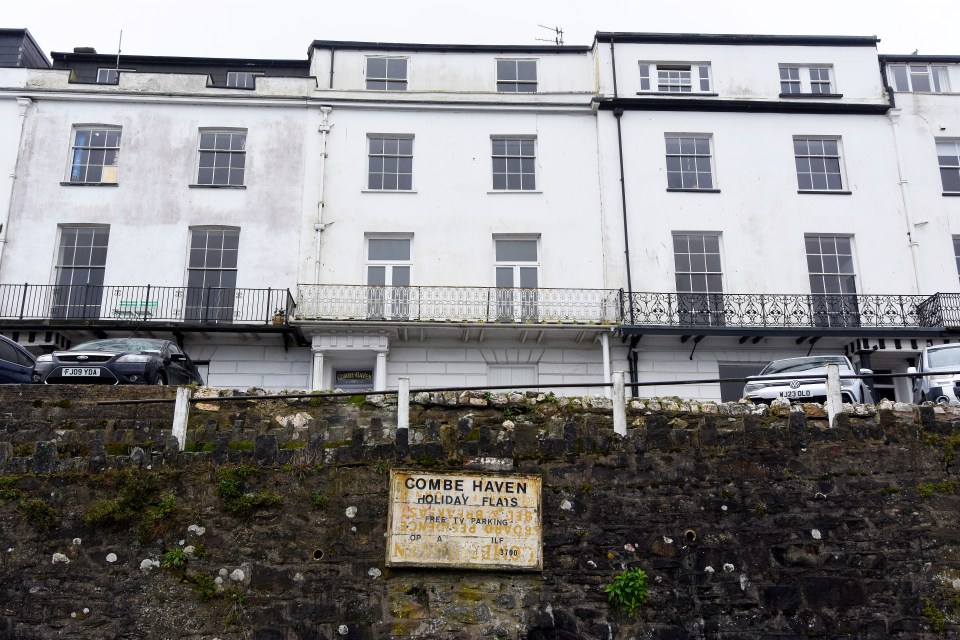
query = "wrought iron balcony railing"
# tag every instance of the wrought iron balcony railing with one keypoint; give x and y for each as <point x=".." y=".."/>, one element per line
<point x="790" y="310"/>
<point x="189" y="305"/>
<point x="458" y="304"/>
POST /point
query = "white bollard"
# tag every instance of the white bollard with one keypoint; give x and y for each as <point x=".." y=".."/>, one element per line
<point x="181" y="413"/>
<point x="403" y="404"/>
<point x="834" y="401"/>
<point x="619" y="405"/>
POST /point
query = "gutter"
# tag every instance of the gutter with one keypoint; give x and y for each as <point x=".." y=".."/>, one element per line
<point x="23" y="104"/>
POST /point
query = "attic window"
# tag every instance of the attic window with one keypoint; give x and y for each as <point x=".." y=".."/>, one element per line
<point x="242" y="79"/>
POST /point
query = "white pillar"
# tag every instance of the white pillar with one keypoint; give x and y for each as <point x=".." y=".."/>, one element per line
<point x="316" y="381"/>
<point x="403" y="404"/>
<point x="181" y="412"/>
<point x="834" y="401"/>
<point x="380" y="372"/>
<point x="605" y="348"/>
<point x="619" y="405"/>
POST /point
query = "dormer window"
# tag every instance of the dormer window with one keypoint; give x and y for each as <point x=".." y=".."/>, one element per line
<point x="806" y="79"/>
<point x="242" y="79"/>
<point x="929" y="78"/>
<point x="672" y="77"/>
<point x="517" y="76"/>
<point x="386" y="74"/>
<point x="110" y="76"/>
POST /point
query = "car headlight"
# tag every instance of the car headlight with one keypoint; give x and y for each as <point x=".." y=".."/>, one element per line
<point x="753" y="386"/>
<point x="45" y="358"/>
<point x="135" y="357"/>
<point x="848" y="382"/>
<point x="942" y="380"/>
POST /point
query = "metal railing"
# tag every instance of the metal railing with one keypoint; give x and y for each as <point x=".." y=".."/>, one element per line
<point x="145" y="303"/>
<point x="458" y="304"/>
<point x="790" y="310"/>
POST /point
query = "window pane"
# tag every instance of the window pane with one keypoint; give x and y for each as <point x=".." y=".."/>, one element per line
<point x="516" y="250"/>
<point x="506" y="70"/>
<point x="376" y="67"/>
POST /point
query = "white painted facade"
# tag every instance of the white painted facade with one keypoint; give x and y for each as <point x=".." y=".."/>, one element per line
<point x="309" y="218"/>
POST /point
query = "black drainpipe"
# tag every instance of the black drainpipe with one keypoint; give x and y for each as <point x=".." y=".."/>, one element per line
<point x="618" y="114"/>
<point x="333" y="51"/>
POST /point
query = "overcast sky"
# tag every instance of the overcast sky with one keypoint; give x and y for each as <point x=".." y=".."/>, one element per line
<point x="285" y="28"/>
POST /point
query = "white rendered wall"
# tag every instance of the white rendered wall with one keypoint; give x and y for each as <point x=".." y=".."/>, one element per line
<point x="919" y="120"/>
<point x="151" y="211"/>
<point x="262" y="363"/>
<point x="452" y="212"/>
<point x="749" y="72"/>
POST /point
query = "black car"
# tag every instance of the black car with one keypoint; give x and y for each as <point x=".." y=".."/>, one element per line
<point x="118" y="361"/>
<point x="16" y="363"/>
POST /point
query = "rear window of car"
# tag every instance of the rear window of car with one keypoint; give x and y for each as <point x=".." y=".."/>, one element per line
<point x="804" y="364"/>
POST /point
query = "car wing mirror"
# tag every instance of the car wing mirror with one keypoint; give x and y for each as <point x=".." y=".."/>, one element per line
<point x="912" y="371"/>
<point x="178" y="357"/>
<point x="866" y="372"/>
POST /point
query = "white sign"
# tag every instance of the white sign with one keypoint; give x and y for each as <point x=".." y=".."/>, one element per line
<point x="466" y="520"/>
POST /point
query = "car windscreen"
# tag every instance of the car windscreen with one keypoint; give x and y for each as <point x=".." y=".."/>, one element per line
<point x="942" y="358"/>
<point x="124" y="344"/>
<point x="803" y="364"/>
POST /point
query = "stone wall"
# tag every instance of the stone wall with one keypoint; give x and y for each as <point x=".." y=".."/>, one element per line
<point x="750" y="522"/>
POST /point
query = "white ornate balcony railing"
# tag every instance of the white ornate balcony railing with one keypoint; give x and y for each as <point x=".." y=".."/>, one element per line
<point x="144" y="303"/>
<point x="457" y="304"/>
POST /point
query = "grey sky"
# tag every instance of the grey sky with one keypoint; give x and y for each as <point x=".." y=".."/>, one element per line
<point x="285" y="28"/>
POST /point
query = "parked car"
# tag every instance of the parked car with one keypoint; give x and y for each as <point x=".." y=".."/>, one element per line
<point x="935" y="383"/>
<point x="787" y="385"/>
<point x="118" y="361"/>
<point x="16" y="363"/>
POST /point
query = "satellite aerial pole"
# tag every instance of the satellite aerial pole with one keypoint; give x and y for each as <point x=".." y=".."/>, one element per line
<point x="558" y="35"/>
<point x="117" y="66"/>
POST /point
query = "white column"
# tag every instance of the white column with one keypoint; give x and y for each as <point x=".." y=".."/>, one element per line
<point x="316" y="381"/>
<point x="605" y="348"/>
<point x="380" y="372"/>
<point x="619" y="405"/>
<point x="403" y="404"/>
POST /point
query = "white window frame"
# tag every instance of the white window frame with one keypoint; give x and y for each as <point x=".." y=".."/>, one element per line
<point x="384" y="156"/>
<point x="515" y="302"/>
<point x="937" y="77"/>
<point x="214" y="297"/>
<point x="84" y="155"/>
<point x="698" y="277"/>
<point x="806" y="81"/>
<point x="949" y="163"/>
<point x="386" y="79"/>
<point x="669" y="77"/>
<point x="234" y="157"/>
<point x="388" y="300"/>
<point x="832" y="308"/>
<point x="235" y="76"/>
<point x="512" y="155"/>
<point x="103" y="75"/>
<point x="507" y="84"/>
<point x="813" y="158"/>
<point x="684" y="139"/>
<point x="956" y="253"/>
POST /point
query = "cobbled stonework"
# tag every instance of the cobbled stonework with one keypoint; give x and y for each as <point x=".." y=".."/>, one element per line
<point x="750" y="522"/>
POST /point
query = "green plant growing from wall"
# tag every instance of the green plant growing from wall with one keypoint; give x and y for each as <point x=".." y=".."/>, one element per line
<point x="38" y="512"/>
<point x="938" y="622"/>
<point x="231" y="484"/>
<point x="134" y="489"/>
<point x="174" y="559"/>
<point x="158" y="516"/>
<point x="628" y="591"/>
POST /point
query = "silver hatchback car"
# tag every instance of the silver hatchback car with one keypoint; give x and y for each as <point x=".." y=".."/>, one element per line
<point x="786" y="381"/>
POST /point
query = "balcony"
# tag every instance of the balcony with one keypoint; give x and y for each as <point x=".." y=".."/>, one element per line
<point x="97" y="304"/>
<point x="458" y="304"/>
<point x="793" y="313"/>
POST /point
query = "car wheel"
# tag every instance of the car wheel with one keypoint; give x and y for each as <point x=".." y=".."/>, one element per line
<point x="161" y="380"/>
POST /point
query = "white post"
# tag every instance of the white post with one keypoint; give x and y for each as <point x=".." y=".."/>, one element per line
<point x="605" y="347"/>
<point x="316" y="383"/>
<point x="403" y="404"/>
<point x="834" y="402"/>
<point x="619" y="405"/>
<point x="181" y="413"/>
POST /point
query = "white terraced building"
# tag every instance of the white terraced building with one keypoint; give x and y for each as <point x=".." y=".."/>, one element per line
<point x="681" y="207"/>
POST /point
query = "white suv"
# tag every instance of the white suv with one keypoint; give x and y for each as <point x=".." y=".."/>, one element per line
<point x="935" y="382"/>
<point x="786" y="379"/>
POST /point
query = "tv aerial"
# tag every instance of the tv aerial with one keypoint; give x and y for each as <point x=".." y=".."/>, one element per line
<point x="558" y="35"/>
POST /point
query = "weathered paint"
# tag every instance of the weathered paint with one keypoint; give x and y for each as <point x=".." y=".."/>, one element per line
<point x="465" y="520"/>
